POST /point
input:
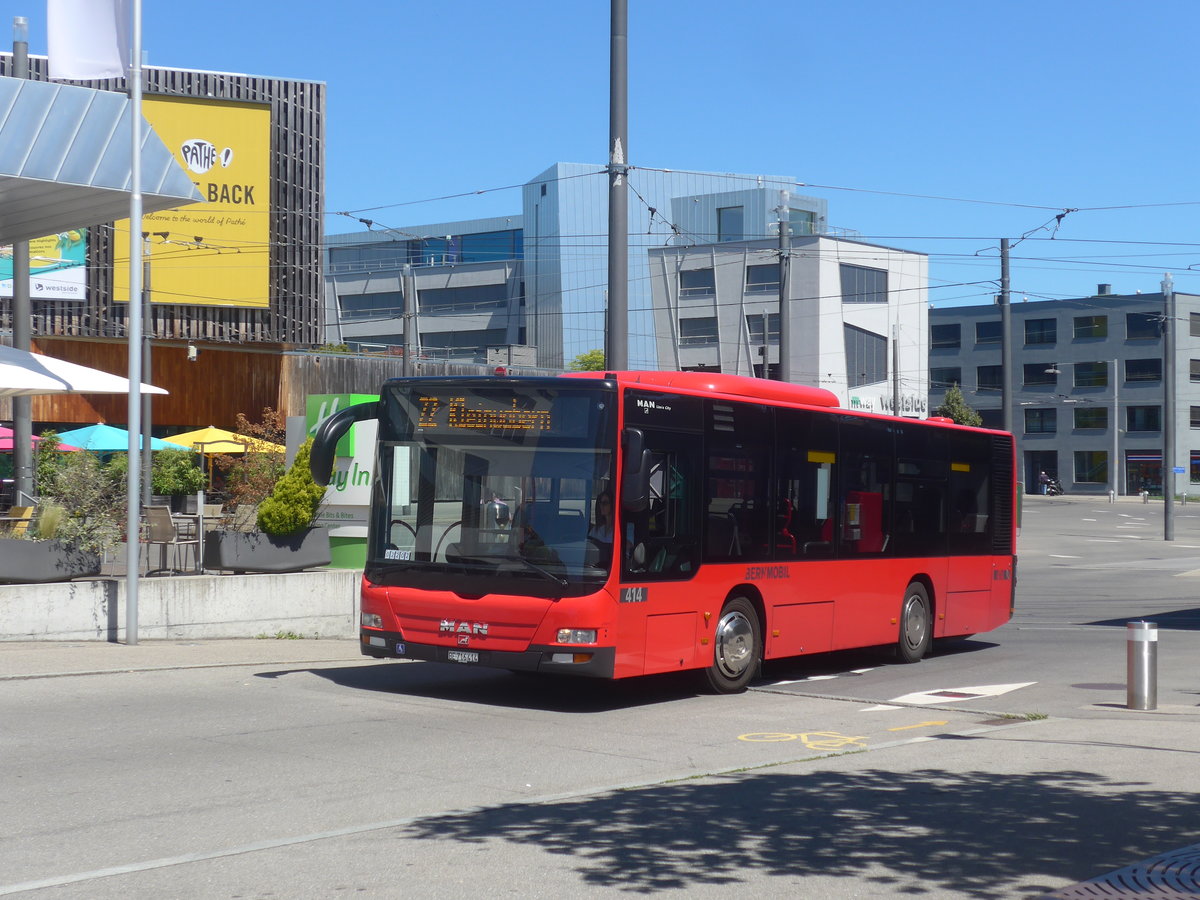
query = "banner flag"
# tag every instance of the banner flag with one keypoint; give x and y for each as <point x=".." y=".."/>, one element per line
<point x="87" y="39"/>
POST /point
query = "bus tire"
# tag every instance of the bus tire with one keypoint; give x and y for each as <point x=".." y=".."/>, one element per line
<point x="916" y="625"/>
<point x="737" y="648"/>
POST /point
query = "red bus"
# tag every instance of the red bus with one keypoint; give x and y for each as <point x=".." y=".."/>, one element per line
<point x="628" y="523"/>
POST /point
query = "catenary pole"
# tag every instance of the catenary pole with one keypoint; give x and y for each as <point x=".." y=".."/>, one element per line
<point x="409" y="290"/>
<point x="1116" y="433"/>
<point x="1168" y="425"/>
<point x="147" y="458"/>
<point x="1006" y="362"/>
<point x="785" y="298"/>
<point x="133" y="494"/>
<point x="22" y="314"/>
<point x="616" y="356"/>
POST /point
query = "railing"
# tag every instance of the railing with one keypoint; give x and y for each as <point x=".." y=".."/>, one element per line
<point x="463" y="308"/>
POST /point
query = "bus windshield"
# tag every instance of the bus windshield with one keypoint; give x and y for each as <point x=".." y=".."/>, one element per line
<point x="476" y="482"/>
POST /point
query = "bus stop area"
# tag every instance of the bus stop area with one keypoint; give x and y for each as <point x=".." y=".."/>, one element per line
<point x="1053" y="789"/>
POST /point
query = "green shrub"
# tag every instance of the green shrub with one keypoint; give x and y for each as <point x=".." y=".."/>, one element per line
<point x="48" y="522"/>
<point x="175" y="472"/>
<point x="295" y="499"/>
<point x="90" y="503"/>
<point x="48" y="461"/>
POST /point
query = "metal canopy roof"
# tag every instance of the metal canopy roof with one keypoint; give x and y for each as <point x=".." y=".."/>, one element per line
<point x="65" y="160"/>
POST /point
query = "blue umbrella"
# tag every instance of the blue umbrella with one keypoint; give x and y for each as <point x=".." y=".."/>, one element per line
<point x="106" y="438"/>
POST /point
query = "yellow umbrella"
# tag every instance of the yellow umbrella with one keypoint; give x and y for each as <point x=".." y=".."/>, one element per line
<point x="212" y="440"/>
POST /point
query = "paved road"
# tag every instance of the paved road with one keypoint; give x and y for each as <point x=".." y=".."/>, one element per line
<point x="299" y="769"/>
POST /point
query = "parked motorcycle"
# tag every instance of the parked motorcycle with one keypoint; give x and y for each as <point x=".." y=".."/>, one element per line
<point x="1054" y="488"/>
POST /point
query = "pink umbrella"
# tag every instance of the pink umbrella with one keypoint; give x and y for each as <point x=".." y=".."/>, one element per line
<point x="6" y="441"/>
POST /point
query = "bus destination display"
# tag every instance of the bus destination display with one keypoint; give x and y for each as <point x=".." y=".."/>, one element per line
<point x="472" y="412"/>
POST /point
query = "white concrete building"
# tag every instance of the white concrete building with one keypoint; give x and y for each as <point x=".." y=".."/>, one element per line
<point x="858" y="312"/>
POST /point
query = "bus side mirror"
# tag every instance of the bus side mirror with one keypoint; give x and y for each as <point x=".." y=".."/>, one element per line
<point x="329" y="432"/>
<point x="635" y="485"/>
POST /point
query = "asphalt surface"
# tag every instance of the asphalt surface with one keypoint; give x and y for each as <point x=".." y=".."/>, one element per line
<point x="1065" y="794"/>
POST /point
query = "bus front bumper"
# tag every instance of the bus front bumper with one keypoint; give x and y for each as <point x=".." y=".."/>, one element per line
<point x="597" y="662"/>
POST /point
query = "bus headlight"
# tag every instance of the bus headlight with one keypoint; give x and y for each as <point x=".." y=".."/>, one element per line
<point x="372" y="620"/>
<point x="576" y="636"/>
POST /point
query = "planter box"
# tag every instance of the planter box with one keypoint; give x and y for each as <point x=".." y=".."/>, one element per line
<point x="38" y="562"/>
<point x="253" y="551"/>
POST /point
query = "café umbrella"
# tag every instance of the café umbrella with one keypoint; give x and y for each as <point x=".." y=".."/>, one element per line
<point x="6" y="441"/>
<point x="212" y="440"/>
<point x="24" y="374"/>
<point x="106" y="439"/>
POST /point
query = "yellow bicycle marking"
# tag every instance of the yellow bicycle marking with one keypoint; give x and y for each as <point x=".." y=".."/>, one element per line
<point x="767" y="736"/>
<point x="813" y="740"/>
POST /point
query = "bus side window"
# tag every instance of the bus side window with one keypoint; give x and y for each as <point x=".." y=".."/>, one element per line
<point x="865" y="492"/>
<point x="806" y="448"/>
<point x="740" y="522"/>
<point x="665" y="536"/>
<point x="970" y="478"/>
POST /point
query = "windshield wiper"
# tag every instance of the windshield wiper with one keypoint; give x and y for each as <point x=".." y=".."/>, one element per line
<point x="557" y="579"/>
<point x="532" y="566"/>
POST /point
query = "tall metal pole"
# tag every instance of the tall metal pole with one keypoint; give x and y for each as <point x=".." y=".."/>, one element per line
<point x="785" y="287"/>
<point x="896" y="369"/>
<point x="147" y="460"/>
<point x="22" y="314"/>
<point x="1168" y="424"/>
<point x="616" y="356"/>
<point x="1116" y="432"/>
<point x="133" y="495"/>
<point x="1006" y="361"/>
<point x="410" y="301"/>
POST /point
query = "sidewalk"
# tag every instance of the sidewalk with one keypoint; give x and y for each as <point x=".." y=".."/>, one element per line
<point x="45" y="659"/>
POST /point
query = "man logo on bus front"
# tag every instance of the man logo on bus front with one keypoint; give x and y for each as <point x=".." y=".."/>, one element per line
<point x="452" y="626"/>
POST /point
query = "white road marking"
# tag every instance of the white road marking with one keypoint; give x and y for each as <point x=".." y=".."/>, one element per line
<point x="953" y="695"/>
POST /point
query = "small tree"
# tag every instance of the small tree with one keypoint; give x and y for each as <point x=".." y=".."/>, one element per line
<point x="591" y="361"/>
<point x="250" y="477"/>
<point x="88" y="502"/>
<point x="48" y="461"/>
<point x="293" y="503"/>
<point x="954" y="406"/>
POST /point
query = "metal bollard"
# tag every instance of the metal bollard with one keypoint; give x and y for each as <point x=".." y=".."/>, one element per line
<point x="1141" y="667"/>
<point x="1112" y="496"/>
<point x="1145" y="496"/>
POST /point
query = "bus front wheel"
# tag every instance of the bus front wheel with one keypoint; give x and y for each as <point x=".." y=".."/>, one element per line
<point x="916" y="625"/>
<point x="737" y="647"/>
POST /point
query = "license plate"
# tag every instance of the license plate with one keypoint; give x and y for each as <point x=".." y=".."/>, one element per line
<point x="462" y="656"/>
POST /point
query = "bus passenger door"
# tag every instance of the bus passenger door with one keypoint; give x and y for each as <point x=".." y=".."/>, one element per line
<point x="657" y="623"/>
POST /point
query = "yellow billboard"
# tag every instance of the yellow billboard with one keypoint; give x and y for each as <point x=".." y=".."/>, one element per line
<point x="216" y="252"/>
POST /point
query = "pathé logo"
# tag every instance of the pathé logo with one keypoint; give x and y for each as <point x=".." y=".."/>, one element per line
<point x="200" y="155"/>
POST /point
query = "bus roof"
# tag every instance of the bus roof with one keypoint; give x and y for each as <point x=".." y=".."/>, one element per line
<point x="736" y="386"/>
<point x="742" y="387"/>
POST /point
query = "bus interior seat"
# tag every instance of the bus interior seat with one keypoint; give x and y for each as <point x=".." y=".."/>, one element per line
<point x="722" y="536"/>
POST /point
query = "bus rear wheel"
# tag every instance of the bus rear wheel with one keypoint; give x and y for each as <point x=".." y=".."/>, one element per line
<point x="916" y="625"/>
<point x="737" y="648"/>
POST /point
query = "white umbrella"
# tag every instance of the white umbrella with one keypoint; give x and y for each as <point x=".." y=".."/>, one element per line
<point x="24" y="374"/>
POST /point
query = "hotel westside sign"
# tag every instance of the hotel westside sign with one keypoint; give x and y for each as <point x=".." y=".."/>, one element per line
<point x="217" y="252"/>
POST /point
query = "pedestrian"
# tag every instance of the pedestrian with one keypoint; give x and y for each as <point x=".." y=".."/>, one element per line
<point x="1044" y="480"/>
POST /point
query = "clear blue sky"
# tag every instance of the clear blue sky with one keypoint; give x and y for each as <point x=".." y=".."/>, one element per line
<point x="1035" y="106"/>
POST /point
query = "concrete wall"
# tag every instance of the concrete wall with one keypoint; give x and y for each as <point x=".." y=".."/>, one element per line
<point x="311" y="604"/>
